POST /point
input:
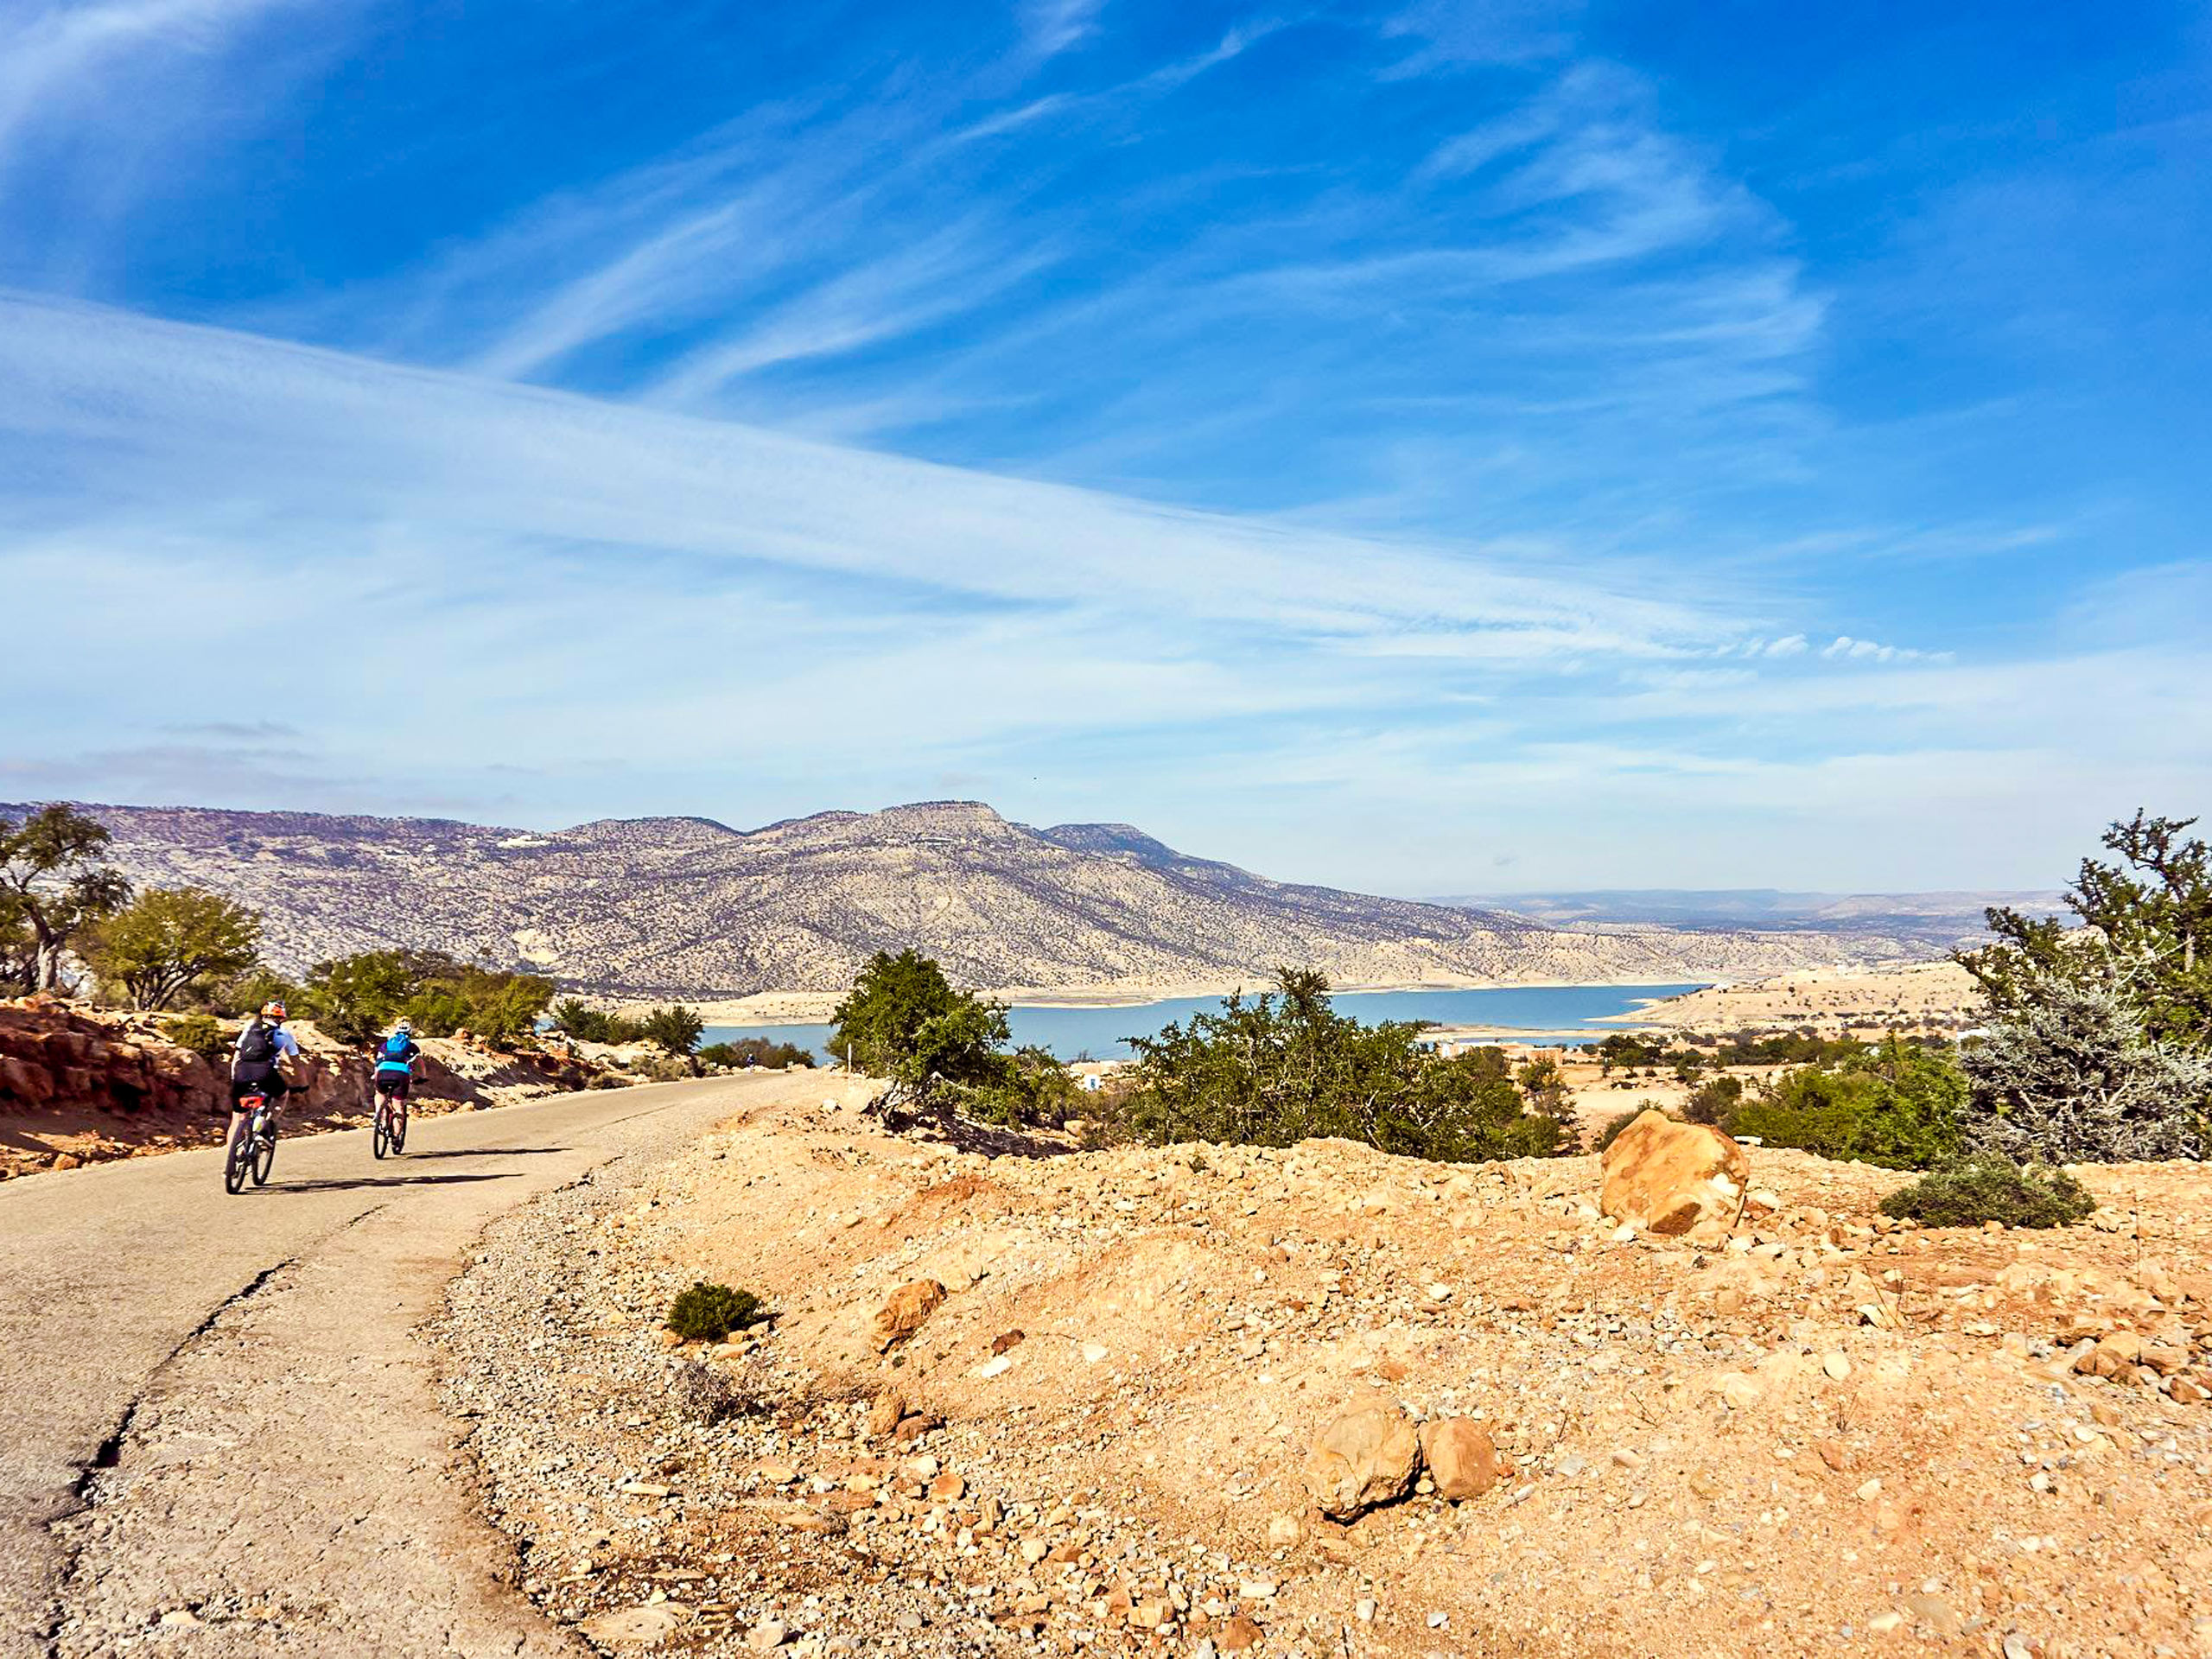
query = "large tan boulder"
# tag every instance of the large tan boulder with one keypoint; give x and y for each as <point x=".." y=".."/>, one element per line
<point x="910" y="1306"/>
<point x="1462" y="1460"/>
<point x="1367" y="1456"/>
<point x="1668" y="1178"/>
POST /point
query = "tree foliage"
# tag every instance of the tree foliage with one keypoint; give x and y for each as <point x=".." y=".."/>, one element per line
<point x="762" y="1051"/>
<point x="51" y="889"/>
<point x="2073" y="1075"/>
<point x="353" y="997"/>
<point x="169" y="939"/>
<point x="904" y="1021"/>
<point x="1896" y="1104"/>
<point x="2099" y="1041"/>
<point x="1285" y="1066"/>
<point x="2152" y="911"/>
<point x="674" y="1031"/>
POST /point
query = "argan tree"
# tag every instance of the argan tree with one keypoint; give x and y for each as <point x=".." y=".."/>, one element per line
<point x="168" y="940"/>
<point x="52" y="889"/>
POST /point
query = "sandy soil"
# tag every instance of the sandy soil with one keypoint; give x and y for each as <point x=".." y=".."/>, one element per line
<point x="1831" y="1001"/>
<point x="1831" y="1435"/>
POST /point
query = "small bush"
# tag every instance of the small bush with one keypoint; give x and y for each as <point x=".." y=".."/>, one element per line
<point x="703" y="1395"/>
<point x="1714" y="1102"/>
<point x="202" y="1034"/>
<point x="709" y="1312"/>
<point x="1991" y="1188"/>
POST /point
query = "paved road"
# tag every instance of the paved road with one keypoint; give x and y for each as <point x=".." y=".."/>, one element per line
<point x="213" y="1409"/>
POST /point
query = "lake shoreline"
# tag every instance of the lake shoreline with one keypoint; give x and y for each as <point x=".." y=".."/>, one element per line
<point x="1526" y="1015"/>
<point x="766" y="1008"/>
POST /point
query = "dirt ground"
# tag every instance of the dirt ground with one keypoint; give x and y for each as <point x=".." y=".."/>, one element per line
<point x="1831" y="1434"/>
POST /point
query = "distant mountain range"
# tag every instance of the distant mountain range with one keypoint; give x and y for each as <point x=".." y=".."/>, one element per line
<point x="688" y="907"/>
<point x="1939" y="919"/>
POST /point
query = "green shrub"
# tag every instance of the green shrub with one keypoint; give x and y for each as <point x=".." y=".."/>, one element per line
<point x="1896" y="1105"/>
<point x="709" y="1312"/>
<point x="1991" y="1188"/>
<point x="1714" y="1102"/>
<point x="756" y="1051"/>
<point x="1612" y="1130"/>
<point x="202" y="1034"/>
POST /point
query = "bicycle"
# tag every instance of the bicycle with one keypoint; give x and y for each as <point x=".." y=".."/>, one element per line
<point x="252" y="1149"/>
<point x="388" y="1133"/>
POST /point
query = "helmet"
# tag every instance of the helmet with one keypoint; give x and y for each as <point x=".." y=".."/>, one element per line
<point x="405" y="1028"/>
<point x="273" y="1011"/>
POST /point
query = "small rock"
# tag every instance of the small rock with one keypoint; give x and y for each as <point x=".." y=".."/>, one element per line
<point x="1238" y="1633"/>
<point x="1462" y="1460"/>
<point x="1367" y="1456"/>
<point x="885" y="1413"/>
<point x="908" y="1309"/>
<point x="1364" y="1610"/>
<point x="766" y="1636"/>
<point x="1837" y="1365"/>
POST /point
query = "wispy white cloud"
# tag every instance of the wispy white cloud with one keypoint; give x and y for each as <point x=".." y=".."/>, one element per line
<point x="1051" y="26"/>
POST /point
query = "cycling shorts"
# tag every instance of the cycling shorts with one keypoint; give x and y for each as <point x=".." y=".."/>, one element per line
<point x="398" y="1084"/>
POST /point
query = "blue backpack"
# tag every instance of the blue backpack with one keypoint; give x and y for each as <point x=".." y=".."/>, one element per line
<point x="395" y="1047"/>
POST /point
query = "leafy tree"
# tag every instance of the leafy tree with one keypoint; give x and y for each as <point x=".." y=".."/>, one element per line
<point x="51" y="890"/>
<point x="2153" y="911"/>
<point x="1544" y="1083"/>
<point x="168" y="939"/>
<point x="903" y="1020"/>
<point x="756" y="1051"/>
<point x="675" y="1032"/>
<point x="2098" y="1039"/>
<point x="574" y="1017"/>
<point x="2072" y="1074"/>
<point x="354" y="997"/>
<point x="1282" y="1068"/>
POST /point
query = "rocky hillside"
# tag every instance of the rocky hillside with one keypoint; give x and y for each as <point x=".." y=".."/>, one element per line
<point x="684" y="906"/>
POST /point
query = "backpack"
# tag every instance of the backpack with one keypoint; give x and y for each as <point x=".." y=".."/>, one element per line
<point x="258" y="1046"/>
<point x="397" y="1044"/>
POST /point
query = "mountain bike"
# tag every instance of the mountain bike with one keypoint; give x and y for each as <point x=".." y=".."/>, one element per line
<point x="388" y="1133"/>
<point x="251" y="1150"/>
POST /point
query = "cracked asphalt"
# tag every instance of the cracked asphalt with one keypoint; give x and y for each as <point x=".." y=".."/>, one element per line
<point x="217" y="1424"/>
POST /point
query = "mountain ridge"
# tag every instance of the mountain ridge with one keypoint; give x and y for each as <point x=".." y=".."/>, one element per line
<point x="680" y="906"/>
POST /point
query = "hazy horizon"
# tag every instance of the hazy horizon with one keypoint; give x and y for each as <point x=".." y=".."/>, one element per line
<point x="1430" y="446"/>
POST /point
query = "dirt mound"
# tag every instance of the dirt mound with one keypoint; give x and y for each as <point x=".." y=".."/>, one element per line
<point x="1825" y="1428"/>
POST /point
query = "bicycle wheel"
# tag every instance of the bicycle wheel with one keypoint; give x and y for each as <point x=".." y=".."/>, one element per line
<point x="380" y="1140"/>
<point x="264" y="1152"/>
<point x="238" y="1156"/>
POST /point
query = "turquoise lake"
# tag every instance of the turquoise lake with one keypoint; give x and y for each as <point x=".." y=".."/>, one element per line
<point x="1568" y="1014"/>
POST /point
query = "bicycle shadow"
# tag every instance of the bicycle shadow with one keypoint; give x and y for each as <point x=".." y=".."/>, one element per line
<point x="483" y="1151"/>
<point x="349" y="1184"/>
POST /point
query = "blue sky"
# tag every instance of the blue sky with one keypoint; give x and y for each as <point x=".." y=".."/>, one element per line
<point x="1430" y="446"/>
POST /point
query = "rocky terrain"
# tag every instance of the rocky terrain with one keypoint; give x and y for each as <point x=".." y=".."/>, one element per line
<point x="685" y="907"/>
<point x="1319" y="1401"/>
<point x="79" y="1085"/>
